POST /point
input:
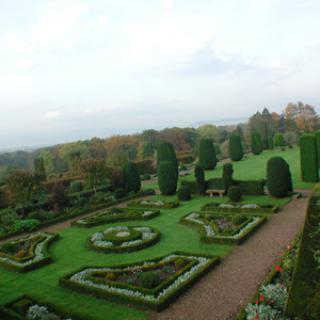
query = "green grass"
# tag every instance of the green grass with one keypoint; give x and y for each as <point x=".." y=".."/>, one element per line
<point x="70" y="254"/>
<point x="254" y="167"/>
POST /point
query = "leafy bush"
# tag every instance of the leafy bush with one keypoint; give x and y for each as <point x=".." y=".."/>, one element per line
<point x="184" y="194"/>
<point x="75" y="186"/>
<point x="167" y="179"/>
<point x="149" y="279"/>
<point x="234" y="193"/>
<point x="278" y="140"/>
<point x="207" y="155"/>
<point x="131" y="177"/>
<point x="279" y="181"/>
<point x="145" y="167"/>
<point x="235" y="147"/>
<point x="309" y="158"/>
<point x="227" y="175"/>
<point x="120" y="193"/>
<point x="251" y="187"/>
<point x="215" y="183"/>
<point x="97" y="198"/>
<point x="26" y="225"/>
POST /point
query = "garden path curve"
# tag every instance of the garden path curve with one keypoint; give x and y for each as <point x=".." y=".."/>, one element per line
<point x="223" y="292"/>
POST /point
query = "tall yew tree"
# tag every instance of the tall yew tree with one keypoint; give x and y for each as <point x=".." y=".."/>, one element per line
<point x="235" y="147"/>
<point x="131" y="177"/>
<point x="167" y="179"/>
<point x="309" y="158"/>
<point x="207" y="154"/>
<point x="256" y="143"/>
<point x="165" y="152"/>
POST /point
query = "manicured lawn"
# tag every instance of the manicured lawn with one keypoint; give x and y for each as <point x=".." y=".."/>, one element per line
<point x="70" y="254"/>
<point x="254" y="167"/>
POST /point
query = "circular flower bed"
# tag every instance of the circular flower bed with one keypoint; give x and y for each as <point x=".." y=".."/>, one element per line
<point x="124" y="239"/>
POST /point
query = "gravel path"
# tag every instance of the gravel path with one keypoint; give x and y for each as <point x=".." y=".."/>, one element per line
<point x="221" y="294"/>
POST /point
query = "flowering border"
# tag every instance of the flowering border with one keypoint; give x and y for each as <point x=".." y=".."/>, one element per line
<point x="216" y="207"/>
<point x="180" y="283"/>
<point x="208" y="235"/>
<point x="150" y="236"/>
<point x="41" y="257"/>
<point x="153" y="204"/>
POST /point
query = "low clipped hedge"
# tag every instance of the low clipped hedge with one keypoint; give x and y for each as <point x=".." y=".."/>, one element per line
<point x="37" y="264"/>
<point x="163" y="302"/>
<point x="215" y="183"/>
<point x="251" y="187"/>
<point x="215" y="208"/>
<point x="166" y="204"/>
<point x="9" y="312"/>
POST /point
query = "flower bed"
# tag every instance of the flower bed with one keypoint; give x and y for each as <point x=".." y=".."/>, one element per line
<point x="152" y="284"/>
<point x="237" y="208"/>
<point x="26" y="253"/>
<point x="223" y="228"/>
<point x="124" y="239"/>
<point x="159" y="204"/>
<point x="26" y="307"/>
<point x="115" y="215"/>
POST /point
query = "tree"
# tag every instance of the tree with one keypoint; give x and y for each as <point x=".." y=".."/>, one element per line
<point x="279" y="182"/>
<point x="59" y="196"/>
<point x="95" y="173"/>
<point x="39" y="170"/>
<point x="235" y="148"/>
<point x="227" y="175"/>
<point x="167" y="178"/>
<point x="117" y="179"/>
<point x="309" y="158"/>
<point x="208" y="131"/>
<point x="165" y="152"/>
<point x="131" y="176"/>
<point x="200" y="178"/>
<point x="207" y="155"/>
<point x="317" y="135"/>
<point x="21" y="185"/>
<point x="278" y="140"/>
<point x="256" y="143"/>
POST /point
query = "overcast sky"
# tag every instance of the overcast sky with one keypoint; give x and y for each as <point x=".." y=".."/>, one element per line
<point x="74" y="69"/>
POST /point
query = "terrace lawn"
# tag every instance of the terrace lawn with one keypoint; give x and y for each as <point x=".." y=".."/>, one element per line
<point x="70" y="254"/>
<point x="253" y="167"/>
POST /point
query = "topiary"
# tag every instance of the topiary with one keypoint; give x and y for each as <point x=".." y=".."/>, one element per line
<point x="131" y="176"/>
<point x="234" y="194"/>
<point x="207" y="155"/>
<point x="317" y="135"/>
<point x="165" y="152"/>
<point x="279" y="182"/>
<point x="235" y="147"/>
<point x="167" y="179"/>
<point x="149" y="279"/>
<point x="309" y="158"/>
<point x="256" y="143"/>
<point x="200" y="178"/>
<point x="227" y="175"/>
<point x="184" y="194"/>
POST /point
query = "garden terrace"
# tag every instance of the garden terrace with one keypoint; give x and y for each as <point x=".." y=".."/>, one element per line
<point x="152" y="284"/>
<point x="223" y="228"/>
<point x="115" y="215"/>
<point x="239" y="208"/>
<point x="157" y="204"/>
<point x="124" y="239"/>
<point x="27" y="253"/>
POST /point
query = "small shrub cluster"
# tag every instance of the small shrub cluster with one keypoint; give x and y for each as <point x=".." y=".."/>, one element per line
<point x="234" y="194"/>
<point x="184" y="194"/>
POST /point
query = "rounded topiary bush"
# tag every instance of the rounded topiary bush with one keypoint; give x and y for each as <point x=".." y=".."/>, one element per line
<point x="167" y="178"/>
<point x="184" y="194"/>
<point x="279" y="181"/>
<point x="234" y="194"/>
<point x="166" y="152"/>
<point x="200" y="178"/>
<point x="149" y="279"/>
<point x="131" y="177"/>
<point x="207" y="155"/>
<point x="235" y="147"/>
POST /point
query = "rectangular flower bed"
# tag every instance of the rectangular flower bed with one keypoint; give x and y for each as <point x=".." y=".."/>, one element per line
<point x="115" y="215"/>
<point x="239" y="208"/>
<point x="26" y="307"/>
<point x="223" y="228"/>
<point x="157" y="204"/>
<point x="152" y="283"/>
<point x="26" y="253"/>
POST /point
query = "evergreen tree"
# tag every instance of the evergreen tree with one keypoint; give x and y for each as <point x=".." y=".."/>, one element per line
<point x="200" y="178"/>
<point x="165" y="152"/>
<point x="309" y="158"/>
<point x="235" y="148"/>
<point x="256" y="143"/>
<point x="227" y="175"/>
<point x="131" y="177"/>
<point x="167" y="178"/>
<point x="39" y="170"/>
<point x="207" y="155"/>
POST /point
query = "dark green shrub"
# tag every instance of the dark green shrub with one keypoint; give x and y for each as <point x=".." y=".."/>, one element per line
<point x="279" y="181"/>
<point x="149" y="192"/>
<point x="75" y="186"/>
<point x="251" y="187"/>
<point x="120" y="193"/>
<point x="200" y="178"/>
<point x="167" y="179"/>
<point x="235" y="147"/>
<point x="278" y="140"/>
<point x="193" y="186"/>
<point x="165" y="152"/>
<point x="117" y="179"/>
<point x="97" y="198"/>
<point x="26" y="225"/>
<point x="234" y="194"/>
<point x="145" y="166"/>
<point x="149" y="279"/>
<point x="145" y="176"/>
<point x="270" y="143"/>
<point x="131" y="177"/>
<point x="207" y="155"/>
<point x="227" y="175"/>
<point x="309" y="158"/>
<point x="256" y="143"/>
<point x="184" y="194"/>
<point x="317" y="135"/>
<point x="215" y="183"/>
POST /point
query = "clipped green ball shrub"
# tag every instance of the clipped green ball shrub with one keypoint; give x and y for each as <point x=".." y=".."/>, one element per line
<point x="235" y="147"/>
<point x="279" y="182"/>
<point x="234" y="194"/>
<point x="167" y="178"/>
<point x="131" y="177"/>
<point x="184" y="194"/>
<point x="309" y="158"/>
<point x="207" y="154"/>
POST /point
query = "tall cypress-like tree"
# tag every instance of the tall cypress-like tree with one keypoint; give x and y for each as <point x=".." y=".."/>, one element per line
<point x="167" y="179"/>
<point x="309" y="158"/>
<point x="131" y="177"/>
<point x="317" y="135"/>
<point x="207" y="154"/>
<point x="165" y="152"/>
<point x="235" y="147"/>
<point x="256" y="143"/>
<point x="227" y="175"/>
<point x="200" y="178"/>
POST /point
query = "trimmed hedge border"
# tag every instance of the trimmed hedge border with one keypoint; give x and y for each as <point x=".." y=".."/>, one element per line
<point x="166" y="204"/>
<point x="162" y="303"/>
<point x="215" y="208"/>
<point x="8" y="313"/>
<point x="44" y="261"/>
<point x="119" y="249"/>
<point x="224" y="239"/>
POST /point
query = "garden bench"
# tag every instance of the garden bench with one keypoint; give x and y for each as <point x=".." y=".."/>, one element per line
<point x="212" y="192"/>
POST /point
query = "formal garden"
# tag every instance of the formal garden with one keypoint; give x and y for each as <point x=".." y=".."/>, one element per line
<point x="126" y="252"/>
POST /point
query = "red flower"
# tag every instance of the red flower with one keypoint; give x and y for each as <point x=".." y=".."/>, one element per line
<point x="278" y="268"/>
<point x="257" y="302"/>
<point x="261" y="298"/>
